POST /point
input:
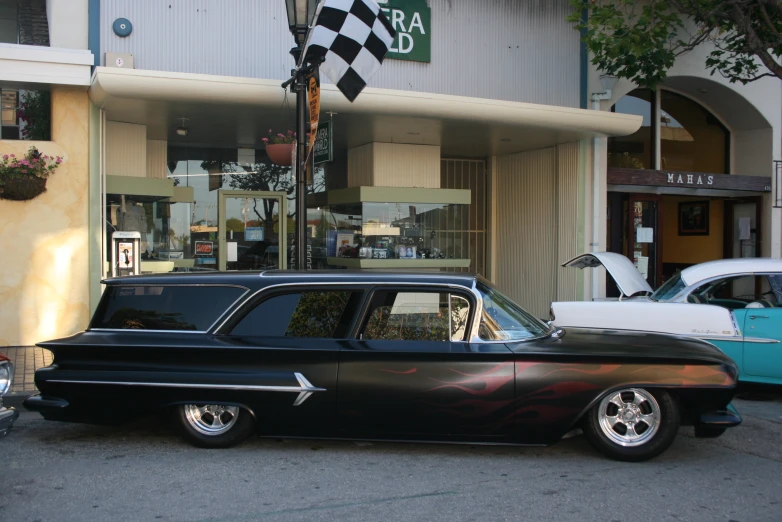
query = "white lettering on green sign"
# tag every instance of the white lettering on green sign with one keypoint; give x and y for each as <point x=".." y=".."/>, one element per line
<point x="412" y="21"/>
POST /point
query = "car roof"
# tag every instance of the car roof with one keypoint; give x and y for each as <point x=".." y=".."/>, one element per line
<point x="725" y="267"/>
<point x="255" y="279"/>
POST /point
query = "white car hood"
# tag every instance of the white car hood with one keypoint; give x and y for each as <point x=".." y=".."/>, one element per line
<point x="627" y="277"/>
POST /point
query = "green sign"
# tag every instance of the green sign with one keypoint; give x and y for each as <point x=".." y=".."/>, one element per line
<point x="324" y="143"/>
<point x="412" y="20"/>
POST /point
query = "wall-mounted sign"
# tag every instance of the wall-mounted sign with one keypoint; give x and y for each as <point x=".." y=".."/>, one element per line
<point x="412" y="20"/>
<point x="204" y="248"/>
<point x="324" y="145"/>
<point x="688" y="180"/>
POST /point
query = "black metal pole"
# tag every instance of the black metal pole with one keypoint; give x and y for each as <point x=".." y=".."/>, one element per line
<point x="300" y="86"/>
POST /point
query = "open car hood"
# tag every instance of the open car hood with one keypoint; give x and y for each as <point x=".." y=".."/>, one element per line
<point x="627" y="277"/>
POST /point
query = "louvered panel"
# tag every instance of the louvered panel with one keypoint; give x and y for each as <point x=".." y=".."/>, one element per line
<point x="360" y="165"/>
<point x="126" y="149"/>
<point x="522" y="50"/>
<point x="467" y="174"/>
<point x="156" y="159"/>
<point x="526" y="228"/>
<point x="567" y="219"/>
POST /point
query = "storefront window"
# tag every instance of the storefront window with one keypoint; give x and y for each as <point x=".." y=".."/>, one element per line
<point x="691" y="138"/>
<point x="392" y="231"/>
<point x="636" y="150"/>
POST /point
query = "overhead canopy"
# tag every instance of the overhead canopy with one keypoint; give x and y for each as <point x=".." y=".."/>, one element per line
<point x="235" y="111"/>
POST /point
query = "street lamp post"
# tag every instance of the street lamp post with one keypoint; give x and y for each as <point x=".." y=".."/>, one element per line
<point x="300" y="14"/>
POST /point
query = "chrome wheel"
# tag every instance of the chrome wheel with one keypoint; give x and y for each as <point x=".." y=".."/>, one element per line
<point x="211" y="419"/>
<point x="629" y="417"/>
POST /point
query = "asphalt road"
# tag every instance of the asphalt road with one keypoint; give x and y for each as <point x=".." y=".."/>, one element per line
<point x="56" y="471"/>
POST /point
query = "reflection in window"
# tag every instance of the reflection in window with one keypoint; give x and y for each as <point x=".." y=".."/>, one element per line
<point x="9" y="21"/>
<point x="163" y="307"/>
<point x="306" y="314"/>
<point x="504" y="320"/>
<point x="208" y="170"/>
<point x="393" y="231"/>
<point x="25" y="115"/>
<point x="691" y="138"/>
<point x="417" y="316"/>
<point x="634" y="151"/>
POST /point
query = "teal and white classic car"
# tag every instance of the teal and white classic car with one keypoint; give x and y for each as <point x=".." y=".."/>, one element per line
<point x="738" y="307"/>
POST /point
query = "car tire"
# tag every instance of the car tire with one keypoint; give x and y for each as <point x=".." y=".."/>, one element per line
<point x="633" y="424"/>
<point x="213" y="425"/>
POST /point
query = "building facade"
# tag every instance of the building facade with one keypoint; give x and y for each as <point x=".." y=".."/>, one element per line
<point x="474" y="148"/>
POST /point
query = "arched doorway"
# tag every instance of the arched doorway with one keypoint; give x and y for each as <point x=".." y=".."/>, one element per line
<point x="674" y="198"/>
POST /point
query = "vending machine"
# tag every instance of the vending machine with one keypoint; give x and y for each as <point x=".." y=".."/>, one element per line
<point x="125" y="253"/>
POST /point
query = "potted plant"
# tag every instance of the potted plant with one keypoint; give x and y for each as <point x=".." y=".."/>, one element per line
<point x="279" y="147"/>
<point x="25" y="178"/>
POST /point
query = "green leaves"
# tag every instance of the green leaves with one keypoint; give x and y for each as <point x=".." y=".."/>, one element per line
<point x="640" y="41"/>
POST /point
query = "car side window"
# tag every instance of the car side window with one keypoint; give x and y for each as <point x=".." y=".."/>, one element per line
<point x="324" y="314"/>
<point x="416" y="316"/>
<point x="750" y="291"/>
<point x="163" y="307"/>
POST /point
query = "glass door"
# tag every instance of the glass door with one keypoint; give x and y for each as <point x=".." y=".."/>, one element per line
<point x="644" y="236"/>
<point x="251" y="235"/>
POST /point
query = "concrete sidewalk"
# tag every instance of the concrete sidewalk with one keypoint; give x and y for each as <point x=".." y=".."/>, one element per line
<point x="26" y="359"/>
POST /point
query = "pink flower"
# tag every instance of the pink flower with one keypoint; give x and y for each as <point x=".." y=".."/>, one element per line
<point x="24" y="171"/>
<point x="265" y="140"/>
<point x="281" y="135"/>
<point x="5" y="156"/>
<point x="13" y="156"/>
<point x="59" y="160"/>
<point x="270" y="131"/>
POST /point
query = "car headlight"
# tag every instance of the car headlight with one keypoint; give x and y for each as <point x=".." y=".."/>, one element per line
<point x="6" y="376"/>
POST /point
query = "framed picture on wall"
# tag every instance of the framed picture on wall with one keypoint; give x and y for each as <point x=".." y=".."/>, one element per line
<point x="694" y="218"/>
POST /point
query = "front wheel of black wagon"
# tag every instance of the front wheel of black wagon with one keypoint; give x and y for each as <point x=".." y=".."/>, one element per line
<point x="213" y="425"/>
<point x="633" y="424"/>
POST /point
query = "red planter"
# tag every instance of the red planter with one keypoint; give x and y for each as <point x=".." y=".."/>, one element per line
<point x="280" y="153"/>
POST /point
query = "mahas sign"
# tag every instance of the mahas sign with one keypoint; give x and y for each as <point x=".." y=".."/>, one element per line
<point x="690" y="180"/>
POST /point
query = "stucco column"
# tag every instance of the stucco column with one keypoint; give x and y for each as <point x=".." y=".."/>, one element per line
<point x="44" y="285"/>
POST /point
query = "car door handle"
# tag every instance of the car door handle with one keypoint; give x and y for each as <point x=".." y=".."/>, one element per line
<point x="758" y="317"/>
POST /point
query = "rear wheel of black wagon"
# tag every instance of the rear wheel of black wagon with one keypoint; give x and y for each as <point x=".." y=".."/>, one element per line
<point x="213" y="425"/>
<point x="633" y="424"/>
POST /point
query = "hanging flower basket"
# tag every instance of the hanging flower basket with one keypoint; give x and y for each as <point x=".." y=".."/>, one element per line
<point x="279" y="147"/>
<point x="280" y="154"/>
<point x="22" y="179"/>
<point x="22" y="187"/>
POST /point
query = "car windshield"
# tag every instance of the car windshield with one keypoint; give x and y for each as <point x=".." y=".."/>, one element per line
<point x="504" y="320"/>
<point x="670" y="289"/>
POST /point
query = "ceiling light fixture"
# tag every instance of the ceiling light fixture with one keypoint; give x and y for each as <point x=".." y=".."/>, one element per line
<point x="182" y="130"/>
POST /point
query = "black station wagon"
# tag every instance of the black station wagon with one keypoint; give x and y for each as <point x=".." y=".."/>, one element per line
<point x="377" y="356"/>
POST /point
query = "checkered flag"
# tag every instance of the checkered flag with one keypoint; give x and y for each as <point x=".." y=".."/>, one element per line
<point x="353" y="37"/>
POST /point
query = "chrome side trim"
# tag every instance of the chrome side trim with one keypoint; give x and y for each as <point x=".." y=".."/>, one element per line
<point x="305" y="388"/>
<point x="759" y="340"/>
<point x="141" y="330"/>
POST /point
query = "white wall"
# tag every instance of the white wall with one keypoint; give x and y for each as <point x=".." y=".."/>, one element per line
<point x="68" y="23"/>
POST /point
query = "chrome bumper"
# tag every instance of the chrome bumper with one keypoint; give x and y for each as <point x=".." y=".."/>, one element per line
<point x="7" y="418"/>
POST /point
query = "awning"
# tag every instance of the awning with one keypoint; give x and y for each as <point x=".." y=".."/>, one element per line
<point x="241" y="110"/>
